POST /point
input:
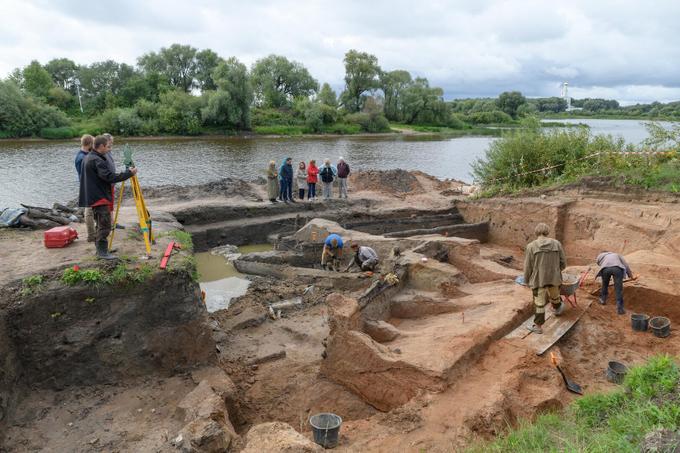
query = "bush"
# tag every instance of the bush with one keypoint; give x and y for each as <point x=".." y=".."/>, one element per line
<point x="24" y="116"/>
<point x="369" y="122"/>
<point x="280" y="130"/>
<point x="532" y="157"/>
<point x="179" y="113"/>
<point x="493" y="117"/>
<point x="341" y="128"/>
<point x="57" y="133"/>
<point x="123" y="121"/>
<point x="273" y="117"/>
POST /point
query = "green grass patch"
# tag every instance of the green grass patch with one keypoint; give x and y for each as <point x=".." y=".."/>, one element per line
<point x="122" y="274"/>
<point x="31" y="285"/>
<point x="603" y="422"/>
<point x="280" y="130"/>
<point x="184" y="238"/>
<point x="58" y="133"/>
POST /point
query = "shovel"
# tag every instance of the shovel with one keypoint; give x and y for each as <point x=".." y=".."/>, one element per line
<point x="571" y="385"/>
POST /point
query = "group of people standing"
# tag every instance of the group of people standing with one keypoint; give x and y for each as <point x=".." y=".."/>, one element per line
<point x="97" y="177"/>
<point x="280" y="181"/>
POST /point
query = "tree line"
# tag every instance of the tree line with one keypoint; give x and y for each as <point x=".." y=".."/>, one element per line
<point x="183" y="90"/>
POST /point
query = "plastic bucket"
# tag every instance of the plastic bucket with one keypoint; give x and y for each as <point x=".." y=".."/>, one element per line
<point x="661" y="326"/>
<point x="616" y="371"/>
<point x="639" y="321"/>
<point x="326" y="429"/>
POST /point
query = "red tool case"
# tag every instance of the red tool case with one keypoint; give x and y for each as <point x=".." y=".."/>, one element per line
<point x="61" y="236"/>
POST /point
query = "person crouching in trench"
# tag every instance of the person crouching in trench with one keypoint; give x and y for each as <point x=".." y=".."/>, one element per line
<point x="544" y="261"/>
<point x="332" y="252"/>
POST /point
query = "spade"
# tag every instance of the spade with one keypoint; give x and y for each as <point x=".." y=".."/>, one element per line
<point x="571" y="385"/>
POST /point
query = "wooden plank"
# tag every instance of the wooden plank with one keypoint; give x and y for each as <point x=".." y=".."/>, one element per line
<point x="556" y="330"/>
<point x="522" y="331"/>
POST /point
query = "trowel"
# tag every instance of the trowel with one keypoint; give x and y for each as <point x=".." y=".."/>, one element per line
<point x="571" y="385"/>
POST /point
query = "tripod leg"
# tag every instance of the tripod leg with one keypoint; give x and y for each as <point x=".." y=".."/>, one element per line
<point x="115" y="217"/>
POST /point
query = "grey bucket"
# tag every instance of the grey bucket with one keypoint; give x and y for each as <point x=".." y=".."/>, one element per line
<point x="616" y="371"/>
<point x="661" y="327"/>
<point x="639" y="322"/>
<point x="326" y="429"/>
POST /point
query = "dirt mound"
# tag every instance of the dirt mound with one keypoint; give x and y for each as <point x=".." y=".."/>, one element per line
<point x="393" y="182"/>
<point x="228" y="187"/>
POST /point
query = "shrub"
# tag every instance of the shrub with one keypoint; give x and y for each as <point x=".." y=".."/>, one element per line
<point x="24" y="116"/>
<point x="123" y="121"/>
<point x="273" y="117"/>
<point x="369" y="122"/>
<point x="57" y="133"/>
<point x="179" y="113"/>
<point x="492" y="117"/>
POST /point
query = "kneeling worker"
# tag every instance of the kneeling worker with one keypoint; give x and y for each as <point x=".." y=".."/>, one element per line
<point x="544" y="261"/>
<point x="332" y="252"/>
<point x="364" y="257"/>
<point x="96" y="178"/>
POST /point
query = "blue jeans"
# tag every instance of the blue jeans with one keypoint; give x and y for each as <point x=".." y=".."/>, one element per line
<point x="286" y="192"/>
<point x="617" y="273"/>
<point x="311" y="193"/>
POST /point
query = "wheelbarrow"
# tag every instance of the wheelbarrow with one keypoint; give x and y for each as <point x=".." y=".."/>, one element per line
<point x="570" y="283"/>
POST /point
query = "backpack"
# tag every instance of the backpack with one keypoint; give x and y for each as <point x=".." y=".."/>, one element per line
<point x="326" y="174"/>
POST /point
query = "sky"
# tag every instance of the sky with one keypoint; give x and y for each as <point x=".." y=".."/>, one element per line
<point x="624" y="50"/>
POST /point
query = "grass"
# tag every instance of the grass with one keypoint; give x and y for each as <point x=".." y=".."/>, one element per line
<point x="58" y="133"/>
<point x="184" y="238"/>
<point x="31" y="285"/>
<point x="120" y="275"/>
<point x="603" y="422"/>
<point x="280" y="130"/>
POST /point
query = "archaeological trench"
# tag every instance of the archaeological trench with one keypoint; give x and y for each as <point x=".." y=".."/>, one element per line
<point x="423" y="355"/>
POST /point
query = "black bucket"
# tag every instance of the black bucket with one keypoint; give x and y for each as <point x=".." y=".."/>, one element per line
<point x="639" y="322"/>
<point x="326" y="429"/>
<point x="616" y="371"/>
<point x="661" y="327"/>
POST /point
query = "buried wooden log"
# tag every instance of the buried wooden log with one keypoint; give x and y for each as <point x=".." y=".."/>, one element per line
<point x="43" y="213"/>
<point x="466" y="230"/>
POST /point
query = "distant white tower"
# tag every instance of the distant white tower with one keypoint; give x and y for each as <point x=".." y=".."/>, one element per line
<point x="565" y="94"/>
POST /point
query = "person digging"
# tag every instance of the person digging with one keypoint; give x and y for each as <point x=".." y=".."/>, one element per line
<point x="365" y="258"/>
<point x="544" y="262"/>
<point x="613" y="265"/>
<point x="95" y="192"/>
<point x="332" y="252"/>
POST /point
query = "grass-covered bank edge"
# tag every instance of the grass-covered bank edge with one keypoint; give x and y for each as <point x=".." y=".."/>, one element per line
<point x="603" y="422"/>
<point x="532" y="158"/>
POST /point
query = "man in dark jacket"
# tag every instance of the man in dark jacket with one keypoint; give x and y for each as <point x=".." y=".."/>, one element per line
<point x="96" y="179"/>
<point x="343" y="173"/>
<point x="286" y="180"/>
<point x="544" y="262"/>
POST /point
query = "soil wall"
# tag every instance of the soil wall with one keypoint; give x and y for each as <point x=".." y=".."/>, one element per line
<point x="84" y="335"/>
<point x="512" y="221"/>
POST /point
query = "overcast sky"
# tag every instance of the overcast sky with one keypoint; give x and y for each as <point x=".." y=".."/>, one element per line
<point x="626" y="50"/>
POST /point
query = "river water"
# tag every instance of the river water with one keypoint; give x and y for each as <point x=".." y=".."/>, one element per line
<point x="40" y="173"/>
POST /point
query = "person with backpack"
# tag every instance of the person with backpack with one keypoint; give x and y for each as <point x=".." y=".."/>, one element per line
<point x="343" y="173"/>
<point x="327" y="175"/>
<point x="312" y="178"/>
<point x="286" y="180"/>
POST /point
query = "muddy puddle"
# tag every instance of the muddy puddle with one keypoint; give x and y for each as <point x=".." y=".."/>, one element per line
<point x="219" y="278"/>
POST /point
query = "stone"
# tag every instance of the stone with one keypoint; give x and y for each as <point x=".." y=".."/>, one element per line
<point x="202" y="402"/>
<point x="343" y="312"/>
<point x="218" y="381"/>
<point x="278" y="437"/>
<point x="249" y="317"/>
<point x="203" y="435"/>
<point x="381" y="331"/>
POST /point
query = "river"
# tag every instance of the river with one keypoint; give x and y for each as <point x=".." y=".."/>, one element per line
<point x="40" y="173"/>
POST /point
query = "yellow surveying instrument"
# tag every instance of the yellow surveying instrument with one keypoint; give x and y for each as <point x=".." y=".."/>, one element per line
<point x="142" y="212"/>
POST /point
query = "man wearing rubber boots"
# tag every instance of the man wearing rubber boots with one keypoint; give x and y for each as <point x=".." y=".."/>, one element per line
<point x="96" y="179"/>
<point x="544" y="262"/>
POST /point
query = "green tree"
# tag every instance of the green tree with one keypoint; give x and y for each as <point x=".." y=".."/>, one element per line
<point x="327" y="96"/>
<point x="510" y="101"/>
<point x="101" y="83"/>
<point x="232" y="76"/>
<point x="36" y="80"/>
<point x="422" y="104"/>
<point x="22" y="116"/>
<point x="177" y="63"/>
<point x="179" y="113"/>
<point x="206" y="62"/>
<point x="393" y="84"/>
<point x="361" y="75"/>
<point x="60" y="98"/>
<point x="63" y="72"/>
<point x="277" y="81"/>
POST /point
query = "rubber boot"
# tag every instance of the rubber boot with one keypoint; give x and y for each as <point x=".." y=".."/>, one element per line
<point x="103" y="251"/>
<point x="560" y="309"/>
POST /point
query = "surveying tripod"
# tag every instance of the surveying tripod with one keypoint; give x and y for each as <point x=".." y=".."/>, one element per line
<point x="140" y="204"/>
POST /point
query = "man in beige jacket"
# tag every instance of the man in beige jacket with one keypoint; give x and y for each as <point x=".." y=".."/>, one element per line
<point x="544" y="261"/>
